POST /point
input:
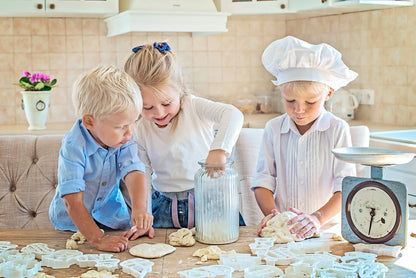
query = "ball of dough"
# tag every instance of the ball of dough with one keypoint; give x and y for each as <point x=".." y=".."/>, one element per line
<point x="182" y="237"/>
<point x="278" y="229"/>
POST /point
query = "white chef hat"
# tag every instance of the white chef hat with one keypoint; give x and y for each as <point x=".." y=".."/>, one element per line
<point x="291" y="59"/>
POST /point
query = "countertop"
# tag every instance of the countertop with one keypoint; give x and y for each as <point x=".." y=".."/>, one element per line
<point x="182" y="258"/>
<point x="251" y="121"/>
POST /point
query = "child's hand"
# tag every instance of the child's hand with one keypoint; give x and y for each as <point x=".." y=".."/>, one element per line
<point x="215" y="163"/>
<point x="305" y="224"/>
<point x="142" y="225"/>
<point x="111" y="243"/>
<point x="134" y="233"/>
<point x="265" y="220"/>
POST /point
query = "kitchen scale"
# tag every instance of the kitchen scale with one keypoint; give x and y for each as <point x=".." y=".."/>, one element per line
<point x="374" y="210"/>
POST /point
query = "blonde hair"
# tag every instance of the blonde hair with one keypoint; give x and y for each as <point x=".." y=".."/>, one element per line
<point x="300" y="86"/>
<point x="153" y="69"/>
<point x="105" y="90"/>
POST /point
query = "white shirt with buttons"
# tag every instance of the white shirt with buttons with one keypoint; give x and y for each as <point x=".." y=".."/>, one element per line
<point x="301" y="170"/>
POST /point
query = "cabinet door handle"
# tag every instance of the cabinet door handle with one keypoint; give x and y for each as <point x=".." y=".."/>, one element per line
<point x="412" y="205"/>
<point x="52" y="6"/>
<point x="39" y="6"/>
<point x="323" y="1"/>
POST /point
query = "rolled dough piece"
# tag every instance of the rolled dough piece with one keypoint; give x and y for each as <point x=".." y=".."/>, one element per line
<point x="150" y="251"/>
<point x="278" y="229"/>
<point x="182" y="237"/>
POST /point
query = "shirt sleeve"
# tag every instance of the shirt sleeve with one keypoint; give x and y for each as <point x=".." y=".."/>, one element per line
<point x="71" y="167"/>
<point x="229" y="118"/>
<point x="342" y="168"/>
<point x="266" y="175"/>
<point x="128" y="159"/>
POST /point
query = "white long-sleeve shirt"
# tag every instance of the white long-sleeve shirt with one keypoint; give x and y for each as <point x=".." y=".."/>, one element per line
<point x="173" y="156"/>
<point x="301" y="170"/>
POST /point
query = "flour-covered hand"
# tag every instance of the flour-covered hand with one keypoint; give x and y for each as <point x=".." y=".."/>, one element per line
<point x="304" y="225"/>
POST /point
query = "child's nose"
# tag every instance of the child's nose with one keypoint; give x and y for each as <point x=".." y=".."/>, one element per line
<point x="158" y="111"/>
<point x="130" y="129"/>
<point x="299" y="108"/>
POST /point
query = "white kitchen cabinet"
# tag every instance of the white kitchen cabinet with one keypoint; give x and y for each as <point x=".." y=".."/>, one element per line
<point x="252" y="6"/>
<point x="58" y="7"/>
<point x="341" y="6"/>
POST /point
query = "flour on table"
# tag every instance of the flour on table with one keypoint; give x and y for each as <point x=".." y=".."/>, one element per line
<point x="149" y="251"/>
<point x="278" y="229"/>
<point x="182" y="237"/>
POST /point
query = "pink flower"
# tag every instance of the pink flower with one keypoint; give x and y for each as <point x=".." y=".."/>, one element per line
<point x="26" y="74"/>
<point x="34" y="78"/>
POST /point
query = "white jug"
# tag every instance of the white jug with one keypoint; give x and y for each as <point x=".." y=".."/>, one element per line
<point x="342" y="104"/>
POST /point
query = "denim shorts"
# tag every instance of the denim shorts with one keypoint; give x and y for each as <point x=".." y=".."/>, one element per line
<point x="162" y="212"/>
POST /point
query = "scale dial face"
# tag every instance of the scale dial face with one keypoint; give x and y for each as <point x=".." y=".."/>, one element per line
<point x="373" y="212"/>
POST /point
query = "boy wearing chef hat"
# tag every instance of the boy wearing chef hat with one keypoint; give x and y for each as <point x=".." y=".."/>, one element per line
<point x="296" y="169"/>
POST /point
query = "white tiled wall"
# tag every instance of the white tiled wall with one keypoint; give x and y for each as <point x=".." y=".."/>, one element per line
<point x="379" y="45"/>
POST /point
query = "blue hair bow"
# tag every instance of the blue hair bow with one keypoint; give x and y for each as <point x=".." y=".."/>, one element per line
<point x="162" y="47"/>
<point x="137" y="48"/>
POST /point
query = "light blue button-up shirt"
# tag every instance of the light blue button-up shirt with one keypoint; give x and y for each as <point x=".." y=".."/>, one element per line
<point x="86" y="166"/>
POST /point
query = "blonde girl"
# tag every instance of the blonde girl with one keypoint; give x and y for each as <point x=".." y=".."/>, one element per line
<point x="176" y="130"/>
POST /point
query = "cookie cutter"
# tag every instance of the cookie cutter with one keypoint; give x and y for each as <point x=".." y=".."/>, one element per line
<point x="217" y="271"/>
<point x="357" y="257"/>
<point x="100" y="261"/>
<point x="6" y="245"/>
<point x="300" y="270"/>
<point x="61" y="258"/>
<point x="38" y="249"/>
<point x="318" y="257"/>
<point x="18" y="268"/>
<point x="379" y="249"/>
<point x="280" y="256"/>
<point x="16" y="264"/>
<point x="239" y="261"/>
<point x="261" y="245"/>
<point x="264" y="271"/>
<point x="137" y="267"/>
<point x="372" y="270"/>
<point x="10" y="255"/>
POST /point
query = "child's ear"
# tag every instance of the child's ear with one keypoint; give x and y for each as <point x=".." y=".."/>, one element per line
<point x="88" y="121"/>
<point x="330" y="93"/>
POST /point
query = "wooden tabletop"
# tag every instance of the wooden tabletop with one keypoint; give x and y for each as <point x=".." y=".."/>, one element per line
<point x="182" y="259"/>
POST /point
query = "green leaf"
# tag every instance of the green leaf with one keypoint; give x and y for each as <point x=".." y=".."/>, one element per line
<point x="46" y="88"/>
<point x="53" y="82"/>
<point x="24" y="79"/>
<point x="39" y="86"/>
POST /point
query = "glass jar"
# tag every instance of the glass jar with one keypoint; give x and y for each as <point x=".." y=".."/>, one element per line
<point x="216" y="203"/>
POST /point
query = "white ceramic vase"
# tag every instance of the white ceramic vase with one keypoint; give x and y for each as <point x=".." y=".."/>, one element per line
<point x="36" y="106"/>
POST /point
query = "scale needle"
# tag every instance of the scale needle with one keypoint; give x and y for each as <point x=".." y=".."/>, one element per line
<point x="372" y="213"/>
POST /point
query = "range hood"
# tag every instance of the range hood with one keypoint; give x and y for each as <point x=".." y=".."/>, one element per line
<point x="197" y="16"/>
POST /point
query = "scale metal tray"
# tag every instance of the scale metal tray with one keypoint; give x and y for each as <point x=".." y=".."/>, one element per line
<point x="372" y="156"/>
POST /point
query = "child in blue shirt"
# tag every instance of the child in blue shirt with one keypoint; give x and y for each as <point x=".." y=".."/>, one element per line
<point x="95" y="155"/>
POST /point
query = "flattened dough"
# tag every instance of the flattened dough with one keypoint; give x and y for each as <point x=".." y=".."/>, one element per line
<point x="278" y="229"/>
<point x="211" y="253"/>
<point x="150" y="251"/>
